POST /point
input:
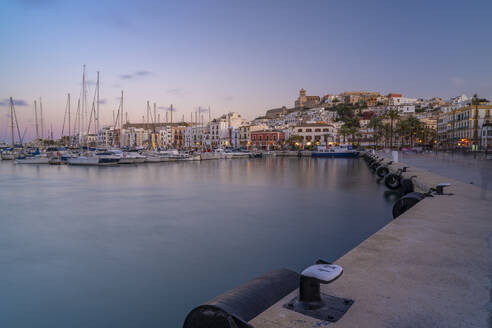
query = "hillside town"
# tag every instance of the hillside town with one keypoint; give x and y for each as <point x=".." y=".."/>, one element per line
<point x="358" y="118"/>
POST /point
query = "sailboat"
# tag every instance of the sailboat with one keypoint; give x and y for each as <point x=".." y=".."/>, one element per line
<point x="12" y="153"/>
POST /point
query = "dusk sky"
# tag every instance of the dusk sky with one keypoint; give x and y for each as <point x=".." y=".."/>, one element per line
<point x="243" y="56"/>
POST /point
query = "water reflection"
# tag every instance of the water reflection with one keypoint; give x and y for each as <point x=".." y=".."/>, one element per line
<point x="139" y="246"/>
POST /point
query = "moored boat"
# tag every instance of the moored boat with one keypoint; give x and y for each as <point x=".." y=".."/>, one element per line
<point x="32" y="160"/>
<point x="335" y="152"/>
<point x="83" y="160"/>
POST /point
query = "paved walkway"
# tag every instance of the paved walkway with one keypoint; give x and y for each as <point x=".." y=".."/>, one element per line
<point x="468" y="168"/>
<point x="431" y="267"/>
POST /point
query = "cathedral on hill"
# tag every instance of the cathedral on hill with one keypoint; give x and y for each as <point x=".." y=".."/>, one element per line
<point x="306" y="101"/>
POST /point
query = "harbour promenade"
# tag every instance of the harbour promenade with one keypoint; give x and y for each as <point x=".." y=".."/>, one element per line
<point x="466" y="167"/>
<point x="431" y="267"/>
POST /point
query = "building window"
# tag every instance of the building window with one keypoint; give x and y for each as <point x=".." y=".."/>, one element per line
<point x="309" y="130"/>
<point x="299" y="130"/>
<point x="325" y="130"/>
<point x="317" y="130"/>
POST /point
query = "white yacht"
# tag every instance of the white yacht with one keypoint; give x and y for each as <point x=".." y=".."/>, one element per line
<point x="169" y="155"/>
<point x="128" y="157"/>
<point x="37" y="159"/>
<point x="83" y="160"/>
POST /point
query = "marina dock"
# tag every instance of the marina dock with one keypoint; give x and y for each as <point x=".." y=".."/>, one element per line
<point x="430" y="267"/>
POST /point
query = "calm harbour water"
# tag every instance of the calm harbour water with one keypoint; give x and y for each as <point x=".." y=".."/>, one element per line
<point x="140" y="246"/>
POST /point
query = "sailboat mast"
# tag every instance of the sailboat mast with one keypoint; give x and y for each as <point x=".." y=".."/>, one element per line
<point x="121" y="119"/>
<point x="97" y="104"/>
<point x="36" y="118"/>
<point x="41" y="119"/>
<point x="12" y="110"/>
<point x="69" y="126"/>
<point x="84" y="105"/>
<point x="78" y="121"/>
<point x="12" y="120"/>
<point x="155" y="113"/>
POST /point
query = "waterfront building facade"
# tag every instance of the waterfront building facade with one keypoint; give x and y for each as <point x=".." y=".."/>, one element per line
<point x="267" y="140"/>
<point x="487" y="137"/>
<point x="462" y="128"/>
<point x="316" y="133"/>
<point x="244" y="132"/>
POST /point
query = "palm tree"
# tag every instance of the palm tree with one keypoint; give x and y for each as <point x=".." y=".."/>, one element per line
<point x="414" y="125"/>
<point x="392" y="114"/>
<point x="402" y="128"/>
<point x="386" y="129"/>
<point x="344" y="131"/>
<point x="376" y="125"/>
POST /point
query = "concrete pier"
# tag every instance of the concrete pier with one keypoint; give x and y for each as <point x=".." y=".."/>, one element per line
<point x="431" y="267"/>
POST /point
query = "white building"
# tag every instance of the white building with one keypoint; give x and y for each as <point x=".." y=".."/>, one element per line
<point x="402" y="104"/>
<point x="486" y="143"/>
<point x="105" y="136"/>
<point x="165" y="137"/>
<point x="194" y="136"/>
<point x="135" y="137"/>
<point x="316" y="133"/>
<point x="220" y="129"/>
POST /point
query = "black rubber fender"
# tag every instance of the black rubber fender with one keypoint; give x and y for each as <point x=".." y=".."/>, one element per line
<point x="241" y="304"/>
<point x="407" y="186"/>
<point x="406" y="202"/>
<point x="392" y="181"/>
<point x="382" y="171"/>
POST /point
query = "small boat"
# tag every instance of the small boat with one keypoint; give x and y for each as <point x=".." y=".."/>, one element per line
<point x="218" y="153"/>
<point x="9" y="155"/>
<point x="129" y="157"/>
<point x="188" y="157"/>
<point x="238" y="154"/>
<point x="335" y="152"/>
<point x="83" y="160"/>
<point x="108" y="158"/>
<point x="170" y="155"/>
<point x="32" y="160"/>
<point x="152" y="159"/>
<point x="6" y="156"/>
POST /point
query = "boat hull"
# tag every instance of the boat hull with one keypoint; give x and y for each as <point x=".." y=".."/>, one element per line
<point x="33" y="161"/>
<point x="353" y="154"/>
<point x="152" y="159"/>
<point x="83" y="161"/>
<point x="8" y="157"/>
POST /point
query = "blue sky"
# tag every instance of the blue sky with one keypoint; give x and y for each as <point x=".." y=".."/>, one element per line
<point x="244" y="56"/>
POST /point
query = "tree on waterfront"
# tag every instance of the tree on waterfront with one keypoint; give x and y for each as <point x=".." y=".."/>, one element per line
<point x="402" y="130"/>
<point x="393" y="115"/>
<point x="293" y="139"/>
<point x="414" y="126"/>
<point x="376" y="124"/>
<point x="387" y="129"/>
<point x="344" y="131"/>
